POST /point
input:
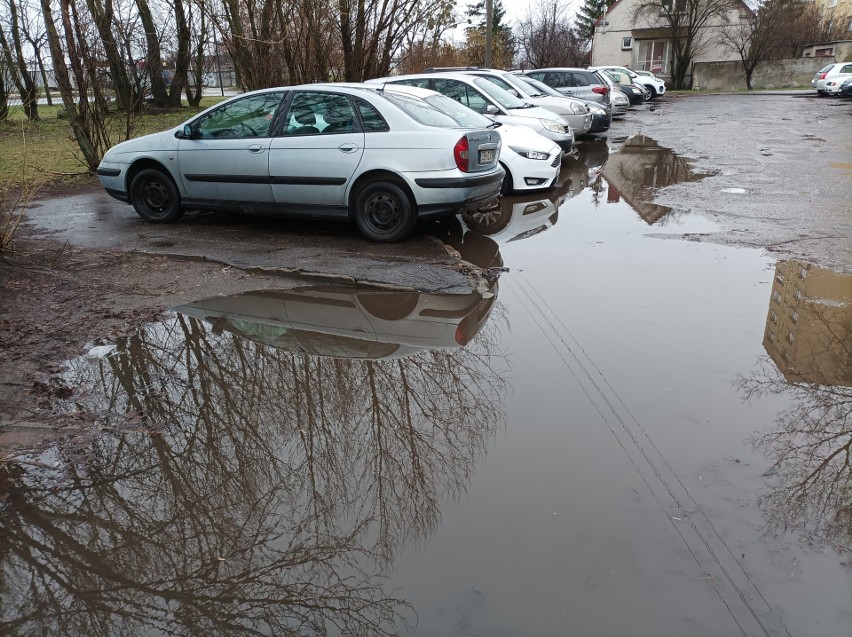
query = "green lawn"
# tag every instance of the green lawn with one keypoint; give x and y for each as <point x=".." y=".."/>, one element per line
<point x="45" y="150"/>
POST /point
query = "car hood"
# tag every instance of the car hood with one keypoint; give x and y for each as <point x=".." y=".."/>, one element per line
<point x="526" y="138"/>
<point x="164" y="140"/>
<point x="536" y="112"/>
<point x="559" y="105"/>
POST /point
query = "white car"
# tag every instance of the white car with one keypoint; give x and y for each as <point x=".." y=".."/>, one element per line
<point x="486" y="98"/>
<point x="834" y="79"/>
<point x="312" y="151"/>
<point x="652" y="82"/>
<point x="831" y="73"/>
<point x="530" y="160"/>
<point x="573" y="110"/>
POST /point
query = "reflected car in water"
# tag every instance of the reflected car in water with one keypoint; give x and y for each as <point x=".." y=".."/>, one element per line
<point x="317" y="151"/>
<point x="530" y="160"/>
<point x="346" y="322"/>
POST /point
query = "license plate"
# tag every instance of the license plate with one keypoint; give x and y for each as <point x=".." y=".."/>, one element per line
<point x="486" y="156"/>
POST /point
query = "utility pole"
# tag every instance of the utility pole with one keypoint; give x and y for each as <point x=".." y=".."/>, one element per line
<point x="489" y="27"/>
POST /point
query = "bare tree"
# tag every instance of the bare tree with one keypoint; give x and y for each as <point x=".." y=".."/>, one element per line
<point x="14" y="54"/>
<point x="685" y="22"/>
<point x="32" y="28"/>
<point x="546" y="37"/>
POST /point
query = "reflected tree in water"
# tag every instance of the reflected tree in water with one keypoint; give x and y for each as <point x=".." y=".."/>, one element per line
<point x="239" y="489"/>
<point x="810" y="446"/>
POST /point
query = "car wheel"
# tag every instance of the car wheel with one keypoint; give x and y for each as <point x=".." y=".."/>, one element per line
<point x="383" y="212"/>
<point x="508" y="185"/>
<point x="389" y="306"/>
<point x="654" y="93"/>
<point x="155" y="197"/>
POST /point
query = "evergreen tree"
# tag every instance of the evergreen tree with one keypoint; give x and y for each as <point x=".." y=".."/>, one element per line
<point x="476" y="15"/>
<point x="588" y="14"/>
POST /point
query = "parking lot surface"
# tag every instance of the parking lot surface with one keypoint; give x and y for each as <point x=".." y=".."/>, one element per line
<point x="641" y="428"/>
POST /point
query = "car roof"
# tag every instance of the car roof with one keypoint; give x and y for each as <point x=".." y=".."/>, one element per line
<point x="421" y="76"/>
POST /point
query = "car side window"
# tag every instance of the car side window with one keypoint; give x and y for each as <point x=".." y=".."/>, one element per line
<point x="370" y="117"/>
<point x="418" y="82"/>
<point x="462" y="93"/>
<point x="846" y="69"/>
<point x="319" y="114"/>
<point x="581" y="79"/>
<point x="248" y="117"/>
<point x="501" y="83"/>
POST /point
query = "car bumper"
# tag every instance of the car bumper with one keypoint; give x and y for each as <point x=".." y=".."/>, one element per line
<point x="534" y="174"/>
<point x="112" y="178"/>
<point x="450" y="195"/>
<point x="600" y="124"/>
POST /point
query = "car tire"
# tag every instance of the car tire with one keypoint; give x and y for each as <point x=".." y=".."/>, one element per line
<point x="654" y="94"/>
<point x="155" y="197"/>
<point x="389" y="306"/>
<point x="384" y="213"/>
<point x="508" y="185"/>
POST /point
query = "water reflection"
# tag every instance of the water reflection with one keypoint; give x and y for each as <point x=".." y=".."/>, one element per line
<point x="242" y="488"/>
<point x="808" y="339"/>
<point x="638" y="168"/>
<point x="523" y="215"/>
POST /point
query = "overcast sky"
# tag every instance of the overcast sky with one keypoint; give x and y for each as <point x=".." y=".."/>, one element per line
<point x="515" y="10"/>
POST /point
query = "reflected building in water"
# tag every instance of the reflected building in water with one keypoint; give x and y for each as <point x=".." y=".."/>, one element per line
<point x="638" y="169"/>
<point x="809" y="323"/>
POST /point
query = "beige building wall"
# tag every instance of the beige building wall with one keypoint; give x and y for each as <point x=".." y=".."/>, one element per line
<point x="809" y="324"/>
<point x="622" y="41"/>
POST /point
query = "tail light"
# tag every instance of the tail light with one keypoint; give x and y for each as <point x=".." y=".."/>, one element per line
<point x="822" y="76"/>
<point x="600" y="90"/>
<point x="461" y="151"/>
<point x="463" y="332"/>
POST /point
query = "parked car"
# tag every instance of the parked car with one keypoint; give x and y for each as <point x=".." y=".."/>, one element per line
<point x="530" y="160"/>
<point x="622" y="82"/>
<point x="846" y="88"/>
<point x="651" y="82"/>
<point x="574" y="111"/>
<point x="487" y="98"/>
<point x="835" y="78"/>
<point x="581" y="83"/>
<point x="312" y="151"/>
<point x="600" y="114"/>
<point x="828" y="73"/>
<point x="620" y="104"/>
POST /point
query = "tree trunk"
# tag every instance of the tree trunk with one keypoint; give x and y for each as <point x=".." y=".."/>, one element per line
<point x="125" y="93"/>
<point x="66" y="90"/>
<point x="184" y="55"/>
<point x="153" y="58"/>
<point x="15" y="59"/>
<point x="43" y="71"/>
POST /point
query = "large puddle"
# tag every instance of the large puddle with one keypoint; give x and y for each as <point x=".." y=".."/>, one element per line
<point x="627" y="436"/>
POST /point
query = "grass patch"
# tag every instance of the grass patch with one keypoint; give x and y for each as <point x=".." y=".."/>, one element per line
<point x="48" y="146"/>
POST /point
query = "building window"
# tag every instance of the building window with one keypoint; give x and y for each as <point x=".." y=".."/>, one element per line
<point x="803" y="272"/>
<point x="626" y="43"/>
<point x="799" y="294"/>
<point x="824" y="53"/>
<point x="832" y="3"/>
<point x="771" y="336"/>
<point x="776" y="296"/>
<point x="791" y="337"/>
<point x="654" y="56"/>
<point x="773" y="316"/>
<point x="794" y="316"/>
<point x="779" y="277"/>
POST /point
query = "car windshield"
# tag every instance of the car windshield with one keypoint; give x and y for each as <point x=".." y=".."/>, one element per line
<point x="422" y="112"/>
<point x="504" y="99"/>
<point x="535" y="88"/>
<point x="459" y="112"/>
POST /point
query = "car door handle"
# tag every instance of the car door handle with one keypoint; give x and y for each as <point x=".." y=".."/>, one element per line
<point x="347" y="148"/>
<point x="255" y="148"/>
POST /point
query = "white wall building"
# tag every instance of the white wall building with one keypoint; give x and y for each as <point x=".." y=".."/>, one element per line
<point x="622" y="39"/>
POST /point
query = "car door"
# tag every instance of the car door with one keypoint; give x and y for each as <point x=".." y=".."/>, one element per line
<point x="226" y="159"/>
<point x="310" y="166"/>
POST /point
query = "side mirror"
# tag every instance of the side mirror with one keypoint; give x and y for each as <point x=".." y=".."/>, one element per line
<point x="188" y="132"/>
<point x="491" y="110"/>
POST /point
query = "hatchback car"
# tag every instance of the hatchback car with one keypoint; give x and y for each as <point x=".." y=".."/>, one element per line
<point x="601" y="115"/>
<point x="835" y="78"/>
<point x="573" y="110"/>
<point x="317" y="151"/>
<point x="486" y="98"/>
<point x="530" y="160"/>
<point x="829" y="73"/>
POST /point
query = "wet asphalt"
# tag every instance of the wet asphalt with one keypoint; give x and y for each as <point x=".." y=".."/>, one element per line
<point x="638" y="430"/>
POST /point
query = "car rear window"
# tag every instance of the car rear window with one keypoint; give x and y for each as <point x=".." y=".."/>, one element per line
<point x="420" y="111"/>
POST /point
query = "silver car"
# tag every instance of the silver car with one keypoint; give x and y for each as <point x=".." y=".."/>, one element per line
<point x="582" y="83"/>
<point x="487" y="98"/>
<point x="311" y="151"/>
